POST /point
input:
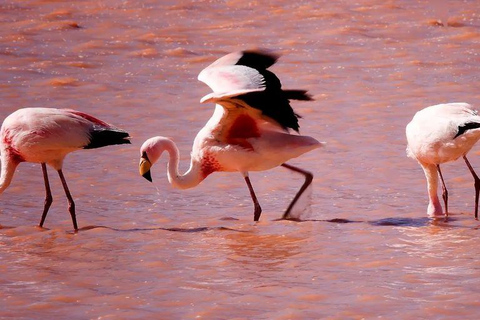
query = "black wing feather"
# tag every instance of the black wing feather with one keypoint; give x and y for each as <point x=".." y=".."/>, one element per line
<point x="101" y="137"/>
<point x="259" y="60"/>
<point x="273" y="101"/>
<point x="467" y="126"/>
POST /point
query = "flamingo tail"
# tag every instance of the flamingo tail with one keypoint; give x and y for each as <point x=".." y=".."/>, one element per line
<point x="101" y="137"/>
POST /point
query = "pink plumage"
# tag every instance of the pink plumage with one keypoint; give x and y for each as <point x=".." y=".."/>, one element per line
<point x="46" y="136"/>
<point x="248" y="130"/>
<point x="439" y="134"/>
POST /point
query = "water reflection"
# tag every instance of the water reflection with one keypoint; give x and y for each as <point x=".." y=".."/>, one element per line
<point x="263" y="252"/>
<point x="366" y="249"/>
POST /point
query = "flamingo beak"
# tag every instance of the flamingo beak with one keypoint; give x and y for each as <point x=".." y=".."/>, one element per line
<point x="144" y="167"/>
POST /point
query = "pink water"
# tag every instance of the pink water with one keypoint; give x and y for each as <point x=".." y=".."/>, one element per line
<point x="143" y="254"/>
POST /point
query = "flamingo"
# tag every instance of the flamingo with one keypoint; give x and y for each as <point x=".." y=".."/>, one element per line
<point x="248" y="130"/>
<point x="440" y="134"/>
<point x="46" y="136"/>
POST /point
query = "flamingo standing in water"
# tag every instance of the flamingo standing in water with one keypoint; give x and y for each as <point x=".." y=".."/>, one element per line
<point x="46" y="136"/>
<point x="248" y="130"/>
<point x="439" y="134"/>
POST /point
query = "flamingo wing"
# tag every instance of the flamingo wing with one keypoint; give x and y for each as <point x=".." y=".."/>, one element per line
<point x="101" y="134"/>
<point x="241" y="79"/>
<point x="467" y="117"/>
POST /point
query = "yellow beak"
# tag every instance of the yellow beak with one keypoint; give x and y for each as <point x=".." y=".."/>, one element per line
<point x="144" y="168"/>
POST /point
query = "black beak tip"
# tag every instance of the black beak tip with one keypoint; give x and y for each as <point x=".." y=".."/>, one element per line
<point x="147" y="175"/>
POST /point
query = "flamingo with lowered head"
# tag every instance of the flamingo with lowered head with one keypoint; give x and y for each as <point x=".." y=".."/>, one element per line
<point x="46" y="136"/>
<point x="248" y="130"/>
<point x="439" y="134"/>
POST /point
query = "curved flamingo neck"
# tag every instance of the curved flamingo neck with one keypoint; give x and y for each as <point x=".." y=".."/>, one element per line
<point x="213" y="124"/>
<point x="189" y="179"/>
<point x="8" y="169"/>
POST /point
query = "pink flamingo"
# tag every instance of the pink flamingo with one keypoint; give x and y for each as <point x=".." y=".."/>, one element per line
<point x="439" y="134"/>
<point x="248" y="130"/>
<point x="46" y="136"/>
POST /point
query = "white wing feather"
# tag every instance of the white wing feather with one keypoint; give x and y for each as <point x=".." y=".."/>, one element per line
<point x="231" y="80"/>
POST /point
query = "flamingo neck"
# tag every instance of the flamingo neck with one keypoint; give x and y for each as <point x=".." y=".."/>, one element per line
<point x="218" y="117"/>
<point x="8" y="169"/>
<point x="189" y="179"/>
<point x="434" y="206"/>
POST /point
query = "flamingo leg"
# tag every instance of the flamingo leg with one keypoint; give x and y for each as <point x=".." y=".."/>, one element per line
<point x="258" y="210"/>
<point x="71" y="203"/>
<point x="444" y="190"/>
<point x="308" y="181"/>
<point x="48" y="195"/>
<point x="477" y="184"/>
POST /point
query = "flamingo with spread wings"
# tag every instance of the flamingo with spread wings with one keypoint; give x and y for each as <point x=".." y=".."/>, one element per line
<point x="46" y="136"/>
<point x="248" y="130"/>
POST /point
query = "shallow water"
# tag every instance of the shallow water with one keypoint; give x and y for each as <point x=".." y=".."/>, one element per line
<point x="367" y="249"/>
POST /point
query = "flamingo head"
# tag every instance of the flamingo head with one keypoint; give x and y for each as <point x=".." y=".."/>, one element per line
<point x="150" y="152"/>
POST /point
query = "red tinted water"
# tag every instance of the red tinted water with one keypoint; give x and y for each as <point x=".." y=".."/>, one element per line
<point x="197" y="254"/>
